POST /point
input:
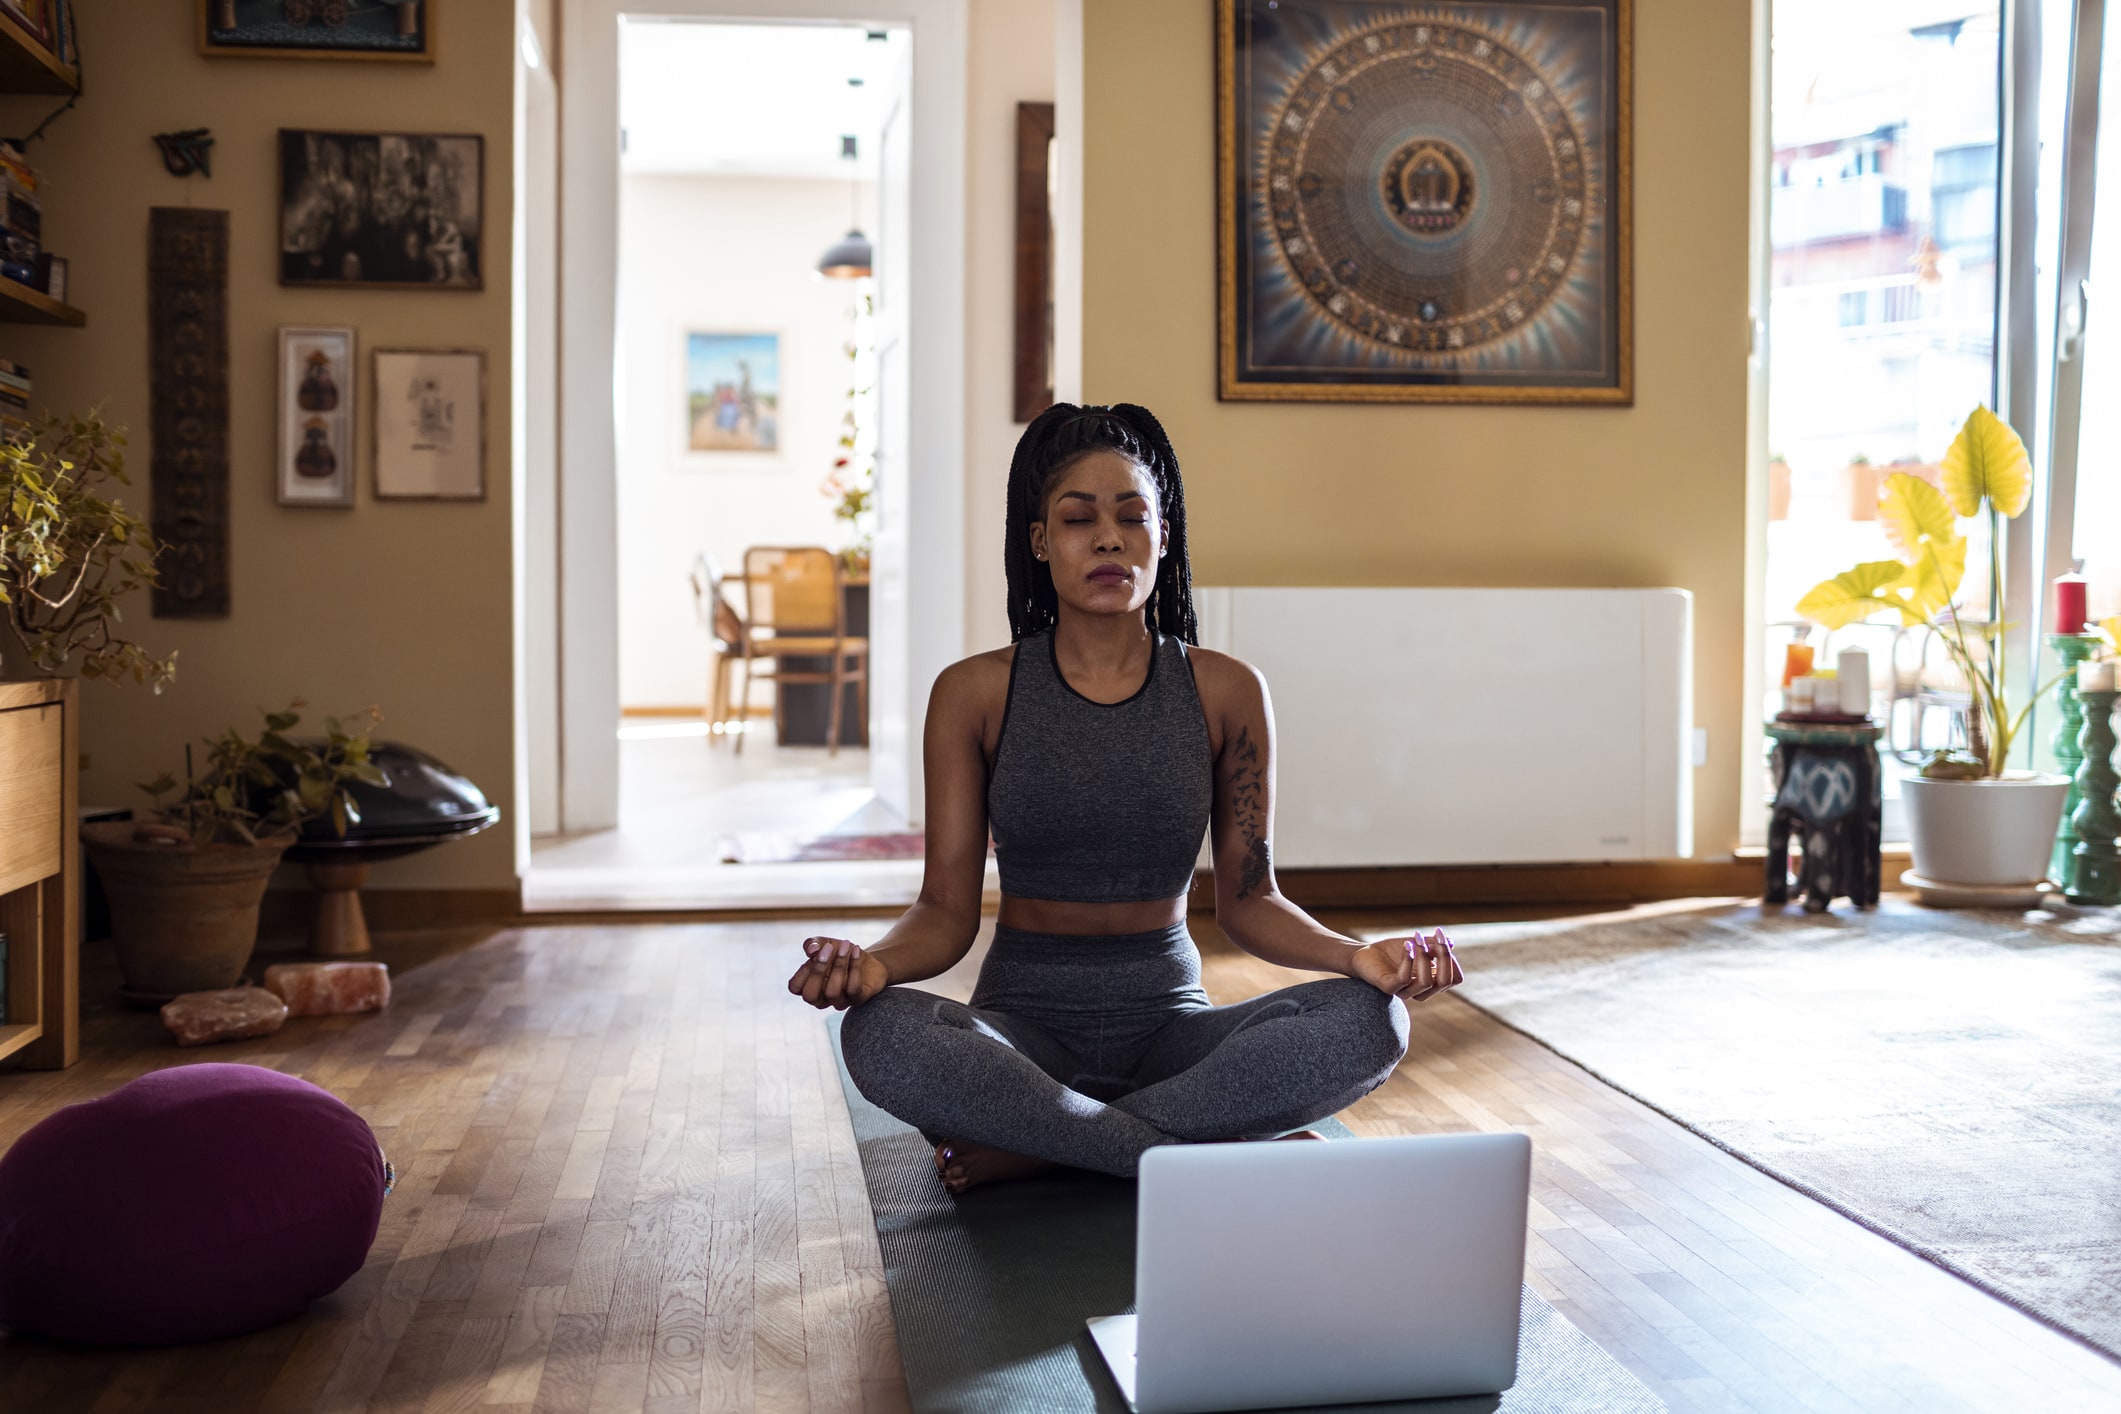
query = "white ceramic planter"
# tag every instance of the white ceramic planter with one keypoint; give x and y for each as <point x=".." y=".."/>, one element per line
<point x="1984" y="832"/>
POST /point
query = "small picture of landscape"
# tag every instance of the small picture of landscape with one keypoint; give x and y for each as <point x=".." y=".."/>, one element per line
<point x="732" y="392"/>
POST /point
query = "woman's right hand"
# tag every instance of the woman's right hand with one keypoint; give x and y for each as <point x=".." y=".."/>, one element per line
<point x="839" y="974"/>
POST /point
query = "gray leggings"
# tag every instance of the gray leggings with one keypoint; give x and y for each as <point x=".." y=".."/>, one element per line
<point x="1090" y="1050"/>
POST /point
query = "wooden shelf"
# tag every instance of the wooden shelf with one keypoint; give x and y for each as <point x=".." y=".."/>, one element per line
<point x="14" y="1038"/>
<point x="19" y="304"/>
<point x="27" y="66"/>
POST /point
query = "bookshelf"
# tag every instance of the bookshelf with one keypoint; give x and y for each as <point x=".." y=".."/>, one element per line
<point x="40" y="870"/>
<point x="19" y="304"/>
<point x="27" y="66"/>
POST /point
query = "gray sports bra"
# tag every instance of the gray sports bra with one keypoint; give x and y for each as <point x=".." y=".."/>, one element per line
<point x="1094" y="802"/>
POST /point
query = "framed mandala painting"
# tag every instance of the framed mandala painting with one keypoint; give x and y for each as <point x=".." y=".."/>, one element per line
<point x="1424" y="202"/>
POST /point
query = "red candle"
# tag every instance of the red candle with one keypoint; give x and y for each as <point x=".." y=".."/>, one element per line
<point x="2069" y="603"/>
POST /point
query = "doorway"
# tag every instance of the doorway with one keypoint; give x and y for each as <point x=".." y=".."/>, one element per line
<point x="737" y="401"/>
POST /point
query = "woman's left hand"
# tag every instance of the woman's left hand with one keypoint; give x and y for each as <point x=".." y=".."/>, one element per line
<point x="1412" y="969"/>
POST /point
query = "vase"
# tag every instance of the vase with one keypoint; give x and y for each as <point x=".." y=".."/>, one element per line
<point x="1986" y="833"/>
<point x="184" y="919"/>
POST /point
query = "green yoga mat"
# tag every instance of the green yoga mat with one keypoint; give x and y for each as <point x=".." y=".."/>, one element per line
<point x="989" y="1292"/>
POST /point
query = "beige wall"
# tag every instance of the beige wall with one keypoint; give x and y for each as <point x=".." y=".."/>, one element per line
<point x="1361" y="495"/>
<point x="403" y="605"/>
<point x="1010" y="62"/>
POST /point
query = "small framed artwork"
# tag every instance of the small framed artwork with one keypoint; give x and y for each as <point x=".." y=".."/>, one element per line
<point x="317" y="29"/>
<point x="732" y="392"/>
<point x="393" y="210"/>
<point x="1424" y="203"/>
<point x="318" y="387"/>
<point x="430" y="424"/>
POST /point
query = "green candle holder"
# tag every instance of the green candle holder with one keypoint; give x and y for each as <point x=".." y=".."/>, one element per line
<point x="2070" y="650"/>
<point x="2095" y="875"/>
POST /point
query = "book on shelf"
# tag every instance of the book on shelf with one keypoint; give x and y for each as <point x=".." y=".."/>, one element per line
<point x="36" y="16"/>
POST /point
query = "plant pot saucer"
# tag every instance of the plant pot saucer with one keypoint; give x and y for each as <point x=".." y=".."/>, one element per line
<point x="1937" y="894"/>
<point x="147" y="1001"/>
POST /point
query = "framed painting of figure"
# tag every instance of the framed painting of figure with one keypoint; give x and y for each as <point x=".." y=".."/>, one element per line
<point x="1424" y="203"/>
<point x="732" y="392"/>
<point x="318" y="388"/>
<point x="399" y="210"/>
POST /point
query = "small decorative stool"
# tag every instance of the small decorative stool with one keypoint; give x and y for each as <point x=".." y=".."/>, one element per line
<point x="2095" y="863"/>
<point x="2070" y="650"/>
<point x="1829" y="798"/>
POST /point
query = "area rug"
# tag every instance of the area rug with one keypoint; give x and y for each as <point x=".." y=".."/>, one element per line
<point x="1950" y="1079"/>
<point x="762" y="848"/>
<point x="989" y="1292"/>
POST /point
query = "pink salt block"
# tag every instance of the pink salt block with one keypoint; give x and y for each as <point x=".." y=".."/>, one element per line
<point x="231" y="1014"/>
<point x="329" y="988"/>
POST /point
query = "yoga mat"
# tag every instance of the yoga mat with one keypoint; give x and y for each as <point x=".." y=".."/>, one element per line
<point x="989" y="1292"/>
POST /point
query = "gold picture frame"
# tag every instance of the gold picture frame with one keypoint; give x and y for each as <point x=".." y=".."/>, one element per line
<point x="1459" y="261"/>
<point x="213" y="14"/>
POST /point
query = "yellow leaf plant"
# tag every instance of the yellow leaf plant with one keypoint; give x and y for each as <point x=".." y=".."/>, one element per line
<point x="1987" y="469"/>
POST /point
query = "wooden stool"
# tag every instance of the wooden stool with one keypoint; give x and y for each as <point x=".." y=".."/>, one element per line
<point x="1829" y="797"/>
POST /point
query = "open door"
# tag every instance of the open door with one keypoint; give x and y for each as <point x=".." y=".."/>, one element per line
<point x="893" y="714"/>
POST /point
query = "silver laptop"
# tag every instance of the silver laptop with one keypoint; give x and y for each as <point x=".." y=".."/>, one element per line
<point x="1305" y="1273"/>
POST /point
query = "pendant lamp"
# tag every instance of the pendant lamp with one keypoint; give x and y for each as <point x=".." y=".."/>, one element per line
<point x="851" y="257"/>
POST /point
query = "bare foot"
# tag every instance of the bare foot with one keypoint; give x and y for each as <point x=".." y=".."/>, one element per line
<point x="963" y="1166"/>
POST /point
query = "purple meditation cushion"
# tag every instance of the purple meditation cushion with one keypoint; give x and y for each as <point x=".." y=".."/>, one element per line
<point x="194" y="1203"/>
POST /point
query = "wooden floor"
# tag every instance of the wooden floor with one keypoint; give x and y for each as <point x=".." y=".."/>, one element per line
<point x="627" y="1183"/>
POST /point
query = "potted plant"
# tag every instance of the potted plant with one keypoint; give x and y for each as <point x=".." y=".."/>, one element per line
<point x="185" y="884"/>
<point x="1971" y="820"/>
<point x="69" y="553"/>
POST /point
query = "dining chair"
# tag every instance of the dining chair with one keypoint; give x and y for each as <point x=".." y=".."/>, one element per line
<point x="721" y="619"/>
<point x="796" y="607"/>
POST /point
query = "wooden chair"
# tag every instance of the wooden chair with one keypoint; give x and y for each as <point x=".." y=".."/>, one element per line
<point x="796" y="607"/>
<point x="719" y="618"/>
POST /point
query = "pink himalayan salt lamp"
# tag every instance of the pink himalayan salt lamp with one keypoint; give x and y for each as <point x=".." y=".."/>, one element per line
<point x="329" y="988"/>
<point x="230" y="1014"/>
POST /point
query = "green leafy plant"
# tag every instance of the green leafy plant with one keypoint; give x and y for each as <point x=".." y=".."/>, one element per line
<point x="1986" y="472"/>
<point x="267" y="786"/>
<point x="69" y="552"/>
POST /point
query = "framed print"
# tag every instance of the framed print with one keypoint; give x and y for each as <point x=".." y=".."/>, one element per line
<point x="397" y="210"/>
<point x="317" y="29"/>
<point x="1424" y="203"/>
<point x="314" y="456"/>
<point x="430" y="424"/>
<point x="732" y="392"/>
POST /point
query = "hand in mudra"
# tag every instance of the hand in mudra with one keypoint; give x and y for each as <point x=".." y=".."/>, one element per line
<point x="839" y="974"/>
<point x="1412" y="969"/>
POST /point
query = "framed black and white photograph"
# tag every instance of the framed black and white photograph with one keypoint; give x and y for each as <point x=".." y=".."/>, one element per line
<point x="394" y="210"/>
<point x="430" y="424"/>
<point x="314" y="455"/>
<point x="317" y="29"/>
<point x="1424" y="203"/>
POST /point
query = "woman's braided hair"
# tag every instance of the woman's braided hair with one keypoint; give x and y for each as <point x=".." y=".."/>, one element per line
<point x="1058" y="438"/>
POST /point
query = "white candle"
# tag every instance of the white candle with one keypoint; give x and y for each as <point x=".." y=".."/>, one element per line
<point x="2096" y="677"/>
<point x="1852" y="674"/>
<point x="1798" y="696"/>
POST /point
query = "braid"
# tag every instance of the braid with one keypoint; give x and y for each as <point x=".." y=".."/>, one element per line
<point x="1058" y="438"/>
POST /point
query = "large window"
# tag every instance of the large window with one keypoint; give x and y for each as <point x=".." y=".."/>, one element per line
<point x="1887" y="138"/>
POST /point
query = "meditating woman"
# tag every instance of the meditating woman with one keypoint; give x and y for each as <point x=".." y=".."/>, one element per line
<point x="1097" y="748"/>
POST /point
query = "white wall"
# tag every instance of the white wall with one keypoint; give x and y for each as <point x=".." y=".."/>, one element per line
<point x="735" y="255"/>
<point x="1011" y="47"/>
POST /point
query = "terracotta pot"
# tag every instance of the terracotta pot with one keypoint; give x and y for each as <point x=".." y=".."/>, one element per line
<point x="1989" y="833"/>
<point x="184" y="919"/>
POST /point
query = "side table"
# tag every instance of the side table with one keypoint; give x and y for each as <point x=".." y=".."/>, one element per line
<point x="1829" y="797"/>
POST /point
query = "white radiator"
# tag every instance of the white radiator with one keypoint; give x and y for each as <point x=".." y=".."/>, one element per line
<point x="1471" y="726"/>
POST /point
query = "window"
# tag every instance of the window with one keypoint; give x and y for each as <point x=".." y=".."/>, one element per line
<point x="1886" y="132"/>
